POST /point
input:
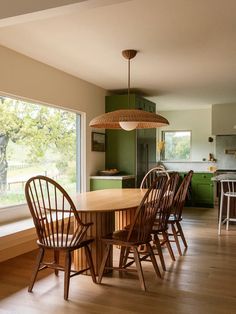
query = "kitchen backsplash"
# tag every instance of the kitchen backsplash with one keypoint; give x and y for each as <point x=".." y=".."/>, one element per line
<point x="225" y="147"/>
<point x="197" y="166"/>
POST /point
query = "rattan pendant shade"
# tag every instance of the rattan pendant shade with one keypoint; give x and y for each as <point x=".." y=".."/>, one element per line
<point x="128" y="119"/>
<point x="144" y="119"/>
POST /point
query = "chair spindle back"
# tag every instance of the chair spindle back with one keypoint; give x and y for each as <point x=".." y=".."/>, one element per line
<point x="164" y="209"/>
<point x="53" y="212"/>
<point x="146" y="212"/>
<point x="180" y="197"/>
<point x="151" y="176"/>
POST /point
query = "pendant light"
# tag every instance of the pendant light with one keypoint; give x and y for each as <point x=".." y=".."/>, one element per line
<point x="128" y="119"/>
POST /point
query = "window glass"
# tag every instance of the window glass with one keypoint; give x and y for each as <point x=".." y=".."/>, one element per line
<point x="177" y="145"/>
<point x="35" y="139"/>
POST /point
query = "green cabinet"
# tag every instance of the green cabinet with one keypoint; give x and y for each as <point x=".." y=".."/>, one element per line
<point x="119" y="182"/>
<point x="202" y="189"/>
<point x="132" y="152"/>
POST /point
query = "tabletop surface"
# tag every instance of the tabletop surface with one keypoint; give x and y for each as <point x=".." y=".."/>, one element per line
<point x="108" y="200"/>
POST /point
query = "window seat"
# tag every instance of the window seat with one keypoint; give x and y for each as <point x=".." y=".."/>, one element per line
<point x="17" y="238"/>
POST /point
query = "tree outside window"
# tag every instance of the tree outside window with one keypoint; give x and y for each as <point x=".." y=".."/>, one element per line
<point x="34" y="139"/>
<point x="177" y="145"/>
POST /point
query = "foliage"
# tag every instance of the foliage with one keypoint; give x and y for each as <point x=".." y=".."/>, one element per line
<point x="38" y="127"/>
<point x="177" y="145"/>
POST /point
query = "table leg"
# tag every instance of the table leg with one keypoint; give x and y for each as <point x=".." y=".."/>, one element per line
<point x="103" y="224"/>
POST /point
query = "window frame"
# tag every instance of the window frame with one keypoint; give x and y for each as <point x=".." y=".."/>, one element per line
<point x="162" y="155"/>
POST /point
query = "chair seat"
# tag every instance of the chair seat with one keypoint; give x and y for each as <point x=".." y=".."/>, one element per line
<point x="157" y="229"/>
<point x="173" y="218"/>
<point x="61" y="242"/>
<point x="230" y="194"/>
<point x="120" y="237"/>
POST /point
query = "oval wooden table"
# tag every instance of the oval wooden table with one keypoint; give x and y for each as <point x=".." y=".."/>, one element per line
<point x="109" y="210"/>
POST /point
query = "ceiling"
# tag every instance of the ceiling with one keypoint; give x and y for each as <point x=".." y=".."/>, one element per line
<point x="187" y="48"/>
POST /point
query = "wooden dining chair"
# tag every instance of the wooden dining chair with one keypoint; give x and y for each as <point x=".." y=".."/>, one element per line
<point x="160" y="227"/>
<point x="152" y="175"/>
<point x="53" y="213"/>
<point x="138" y="233"/>
<point x="176" y="211"/>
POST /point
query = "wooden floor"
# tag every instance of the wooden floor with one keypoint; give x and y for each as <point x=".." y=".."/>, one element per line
<point x="201" y="281"/>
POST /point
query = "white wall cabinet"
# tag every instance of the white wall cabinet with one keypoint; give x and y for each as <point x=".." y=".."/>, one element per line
<point x="224" y="119"/>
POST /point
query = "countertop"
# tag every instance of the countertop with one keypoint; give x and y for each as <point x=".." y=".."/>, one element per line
<point x="186" y="171"/>
<point x="121" y="177"/>
<point x="224" y="176"/>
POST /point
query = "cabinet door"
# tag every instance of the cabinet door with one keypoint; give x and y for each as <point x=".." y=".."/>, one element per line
<point x="202" y="189"/>
<point x="101" y="184"/>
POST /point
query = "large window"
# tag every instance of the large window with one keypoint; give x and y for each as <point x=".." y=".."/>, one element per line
<point x="177" y="145"/>
<point x="36" y="139"/>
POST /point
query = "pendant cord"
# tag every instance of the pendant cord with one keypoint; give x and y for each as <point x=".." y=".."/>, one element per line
<point x="129" y="83"/>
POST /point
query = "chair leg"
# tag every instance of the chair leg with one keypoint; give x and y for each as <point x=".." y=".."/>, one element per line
<point x="122" y="254"/>
<point x="126" y="255"/>
<point x="153" y="259"/>
<point x="176" y="239"/>
<point x="181" y="234"/>
<point x="139" y="268"/>
<point x="220" y="214"/>
<point x="104" y="260"/>
<point x="36" y="269"/>
<point x="168" y="245"/>
<point x="227" y="220"/>
<point x="90" y="262"/>
<point x="159" y="250"/>
<point x="67" y="274"/>
<point x="121" y="261"/>
<point x="56" y="261"/>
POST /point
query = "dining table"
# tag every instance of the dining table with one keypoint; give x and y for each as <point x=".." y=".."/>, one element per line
<point x="109" y="210"/>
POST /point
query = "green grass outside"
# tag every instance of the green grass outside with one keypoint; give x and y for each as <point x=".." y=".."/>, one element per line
<point x="16" y="194"/>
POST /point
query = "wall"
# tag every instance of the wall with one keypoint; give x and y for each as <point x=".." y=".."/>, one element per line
<point x="199" y="122"/>
<point x="26" y="78"/>
<point x="226" y="161"/>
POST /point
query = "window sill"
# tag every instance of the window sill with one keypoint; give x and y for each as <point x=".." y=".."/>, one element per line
<point x="13" y="214"/>
<point x="187" y="161"/>
<point x="16" y="226"/>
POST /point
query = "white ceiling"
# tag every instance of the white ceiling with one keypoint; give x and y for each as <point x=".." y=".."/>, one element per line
<point x="187" y="48"/>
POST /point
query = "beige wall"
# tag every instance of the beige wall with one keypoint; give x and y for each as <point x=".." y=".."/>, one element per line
<point x="26" y="78"/>
<point x="199" y="123"/>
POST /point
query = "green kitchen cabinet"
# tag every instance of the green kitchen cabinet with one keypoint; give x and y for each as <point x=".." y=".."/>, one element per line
<point x="202" y="189"/>
<point x="132" y="152"/>
<point x="111" y="182"/>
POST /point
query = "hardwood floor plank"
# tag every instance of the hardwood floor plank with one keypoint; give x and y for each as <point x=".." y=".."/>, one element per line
<point x="200" y="281"/>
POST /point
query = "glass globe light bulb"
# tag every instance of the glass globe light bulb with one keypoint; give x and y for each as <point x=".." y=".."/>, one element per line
<point x="128" y="125"/>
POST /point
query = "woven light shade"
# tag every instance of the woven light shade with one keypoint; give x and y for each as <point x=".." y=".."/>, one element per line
<point x="128" y="119"/>
<point x="144" y="119"/>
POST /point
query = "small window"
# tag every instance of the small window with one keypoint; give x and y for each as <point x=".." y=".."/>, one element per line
<point x="177" y="145"/>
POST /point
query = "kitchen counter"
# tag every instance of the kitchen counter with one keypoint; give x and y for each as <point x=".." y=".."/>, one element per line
<point x="217" y="193"/>
<point x="115" y="177"/>
<point x="112" y="182"/>
<point x="224" y="176"/>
